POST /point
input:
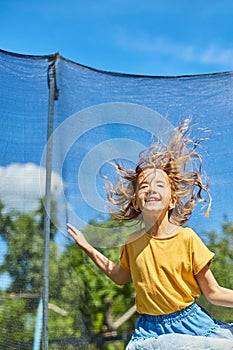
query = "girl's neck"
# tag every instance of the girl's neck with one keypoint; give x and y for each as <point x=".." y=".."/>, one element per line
<point x="160" y="228"/>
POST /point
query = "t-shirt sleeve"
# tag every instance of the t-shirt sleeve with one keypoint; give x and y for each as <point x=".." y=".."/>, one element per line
<point x="201" y="255"/>
<point x="124" y="258"/>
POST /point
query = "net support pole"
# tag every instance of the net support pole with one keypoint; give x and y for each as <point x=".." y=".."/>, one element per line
<point x="53" y="95"/>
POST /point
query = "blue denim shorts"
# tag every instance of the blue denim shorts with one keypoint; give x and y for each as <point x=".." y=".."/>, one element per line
<point x="192" y="321"/>
<point x="181" y="342"/>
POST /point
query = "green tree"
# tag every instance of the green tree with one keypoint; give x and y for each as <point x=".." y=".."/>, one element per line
<point x="23" y="235"/>
<point x="222" y="267"/>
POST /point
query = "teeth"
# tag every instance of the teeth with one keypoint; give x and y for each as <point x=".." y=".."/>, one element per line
<point x="152" y="199"/>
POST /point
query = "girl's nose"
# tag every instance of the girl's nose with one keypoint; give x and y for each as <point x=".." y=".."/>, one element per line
<point x="152" y="190"/>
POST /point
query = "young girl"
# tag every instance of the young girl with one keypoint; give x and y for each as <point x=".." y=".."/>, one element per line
<point x="168" y="264"/>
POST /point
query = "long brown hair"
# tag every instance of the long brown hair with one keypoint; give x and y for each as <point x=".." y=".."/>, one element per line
<point x="182" y="164"/>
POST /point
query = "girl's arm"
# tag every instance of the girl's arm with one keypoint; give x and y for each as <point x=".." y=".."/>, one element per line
<point x="115" y="272"/>
<point x="213" y="292"/>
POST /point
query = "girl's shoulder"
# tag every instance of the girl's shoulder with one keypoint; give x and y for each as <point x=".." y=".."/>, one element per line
<point x="188" y="234"/>
<point x="188" y="231"/>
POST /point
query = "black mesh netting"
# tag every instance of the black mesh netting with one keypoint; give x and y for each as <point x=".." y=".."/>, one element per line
<point x="98" y="116"/>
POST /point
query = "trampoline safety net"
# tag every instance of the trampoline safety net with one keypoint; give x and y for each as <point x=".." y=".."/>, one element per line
<point x="61" y="125"/>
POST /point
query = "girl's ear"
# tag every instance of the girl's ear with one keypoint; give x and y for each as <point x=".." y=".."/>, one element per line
<point x="172" y="202"/>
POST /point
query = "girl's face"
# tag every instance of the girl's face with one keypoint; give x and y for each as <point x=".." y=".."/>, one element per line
<point x="153" y="192"/>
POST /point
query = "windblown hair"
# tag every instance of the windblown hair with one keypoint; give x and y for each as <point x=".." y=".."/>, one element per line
<point x="183" y="166"/>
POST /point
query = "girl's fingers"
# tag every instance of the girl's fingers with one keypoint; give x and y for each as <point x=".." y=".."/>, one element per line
<point x="71" y="227"/>
<point x="74" y="233"/>
<point x="71" y="230"/>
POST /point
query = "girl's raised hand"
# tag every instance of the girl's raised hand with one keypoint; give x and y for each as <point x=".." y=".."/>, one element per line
<point x="116" y="273"/>
<point x="77" y="236"/>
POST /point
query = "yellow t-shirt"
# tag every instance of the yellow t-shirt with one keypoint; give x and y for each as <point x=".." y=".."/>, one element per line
<point x="163" y="270"/>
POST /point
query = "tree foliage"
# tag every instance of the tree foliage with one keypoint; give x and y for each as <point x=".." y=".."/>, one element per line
<point x="23" y="262"/>
<point x="222" y="267"/>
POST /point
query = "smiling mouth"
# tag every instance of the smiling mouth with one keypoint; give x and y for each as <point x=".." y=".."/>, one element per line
<point x="152" y="199"/>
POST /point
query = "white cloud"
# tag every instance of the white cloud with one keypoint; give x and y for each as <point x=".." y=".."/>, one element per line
<point x="214" y="54"/>
<point x="162" y="46"/>
<point x="21" y="186"/>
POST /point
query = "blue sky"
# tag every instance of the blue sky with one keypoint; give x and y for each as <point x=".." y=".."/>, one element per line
<point x="152" y="37"/>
